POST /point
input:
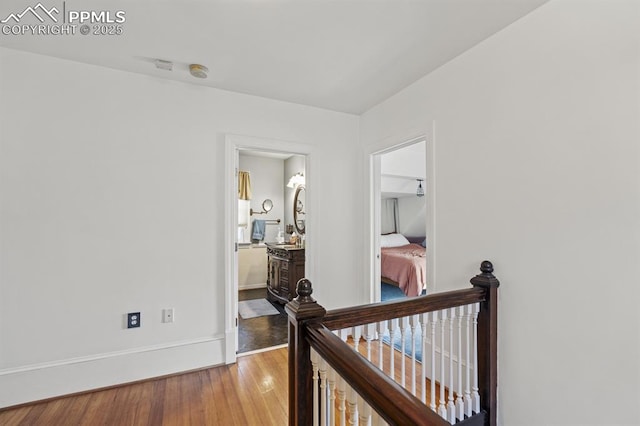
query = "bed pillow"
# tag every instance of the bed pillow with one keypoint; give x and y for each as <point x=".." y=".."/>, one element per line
<point x="424" y="243"/>
<point x="393" y="240"/>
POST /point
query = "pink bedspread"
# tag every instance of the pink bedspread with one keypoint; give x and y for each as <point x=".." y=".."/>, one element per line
<point x="405" y="265"/>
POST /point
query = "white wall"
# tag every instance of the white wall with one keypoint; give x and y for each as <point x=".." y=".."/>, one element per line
<point x="406" y="161"/>
<point x="267" y="181"/>
<point x="112" y="202"/>
<point x="537" y="169"/>
<point x="412" y="212"/>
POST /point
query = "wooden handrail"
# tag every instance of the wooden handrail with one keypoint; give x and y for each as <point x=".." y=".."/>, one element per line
<point x="310" y="325"/>
<point x="368" y="314"/>
<point x="395" y="404"/>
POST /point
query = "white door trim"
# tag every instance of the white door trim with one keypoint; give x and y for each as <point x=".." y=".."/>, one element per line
<point x="234" y="143"/>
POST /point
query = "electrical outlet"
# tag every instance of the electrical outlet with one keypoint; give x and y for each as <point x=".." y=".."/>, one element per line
<point x="168" y="315"/>
<point x="133" y="319"/>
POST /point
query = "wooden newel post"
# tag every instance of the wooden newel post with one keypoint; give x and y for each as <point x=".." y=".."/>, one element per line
<point x="302" y="311"/>
<point x="488" y="341"/>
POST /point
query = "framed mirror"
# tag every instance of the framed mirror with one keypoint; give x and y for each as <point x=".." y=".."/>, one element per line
<point x="298" y="209"/>
<point x="267" y="205"/>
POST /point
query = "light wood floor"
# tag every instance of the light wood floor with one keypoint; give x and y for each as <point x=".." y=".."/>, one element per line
<point x="251" y="392"/>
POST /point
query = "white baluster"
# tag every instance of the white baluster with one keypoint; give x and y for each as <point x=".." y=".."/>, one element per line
<point x="423" y="376"/>
<point x="352" y="407"/>
<point x="475" y="395"/>
<point x="451" y="407"/>
<point x="323" y="391"/>
<point x="382" y="330"/>
<point x="315" y="358"/>
<point x="403" y="341"/>
<point x="434" y="323"/>
<point x="332" y="396"/>
<point x="394" y="330"/>
<point x="467" y="390"/>
<point x="357" y="333"/>
<point x="370" y="331"/>
<point x="364" y="412"/>
<point x="442" y="408"/>
<point x="376" y="420"/>
<point x="415" y="328"/>
<point x="342" y="397"/>
<point x="368" y="411"/>
<point x="459" y="399"/>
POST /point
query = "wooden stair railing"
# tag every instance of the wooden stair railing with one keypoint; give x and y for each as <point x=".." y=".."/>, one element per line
<point x="310" y="327"/>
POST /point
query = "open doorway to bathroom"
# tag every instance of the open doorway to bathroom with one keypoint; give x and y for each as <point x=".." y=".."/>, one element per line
<point x="270" y="249"/>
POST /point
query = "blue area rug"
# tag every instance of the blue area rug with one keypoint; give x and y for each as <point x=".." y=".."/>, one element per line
<point x="390" y="292"/>
<point x="408" y="345"/>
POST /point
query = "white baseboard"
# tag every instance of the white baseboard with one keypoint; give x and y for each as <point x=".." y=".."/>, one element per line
<point x="42" y="381"/>
<point x="252" y="286"/>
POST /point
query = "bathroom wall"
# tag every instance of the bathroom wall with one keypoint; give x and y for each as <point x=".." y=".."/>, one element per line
<point x="267" y="181"/>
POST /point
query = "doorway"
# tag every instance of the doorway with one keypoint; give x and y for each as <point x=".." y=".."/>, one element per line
<point x="265" y="214"/>
<point x="254" y="222"/>
<point x="403" y="218"/>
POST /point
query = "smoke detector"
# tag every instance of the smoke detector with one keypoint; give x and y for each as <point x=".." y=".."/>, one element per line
<point x="198" y="71"/>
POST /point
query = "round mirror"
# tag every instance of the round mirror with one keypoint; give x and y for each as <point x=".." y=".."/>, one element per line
<point x="298" y="209"/>
<point x="267" y="205"/>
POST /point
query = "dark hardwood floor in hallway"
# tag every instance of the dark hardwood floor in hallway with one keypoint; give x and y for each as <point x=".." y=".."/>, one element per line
<point x="251" y="392"/>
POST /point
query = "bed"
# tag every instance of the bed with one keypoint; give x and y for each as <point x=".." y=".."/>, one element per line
<point x="403" y="264"/>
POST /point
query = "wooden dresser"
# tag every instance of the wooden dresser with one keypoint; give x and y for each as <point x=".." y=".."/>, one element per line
<point x="285" y="268"/>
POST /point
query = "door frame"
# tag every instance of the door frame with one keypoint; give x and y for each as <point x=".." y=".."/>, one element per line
<point x="234" y="144"/>
<point x="374" y="177"/>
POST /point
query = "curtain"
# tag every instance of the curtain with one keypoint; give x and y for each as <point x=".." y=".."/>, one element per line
<point x="244" y="186"/>
<point x="389" y="221"/>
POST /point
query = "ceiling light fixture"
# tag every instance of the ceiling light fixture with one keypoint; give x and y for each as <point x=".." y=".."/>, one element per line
<point x="198" y="71"/>
<point x="420" y="189"/>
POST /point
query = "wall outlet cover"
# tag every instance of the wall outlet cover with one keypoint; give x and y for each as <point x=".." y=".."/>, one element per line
<point x="133" y="319"/>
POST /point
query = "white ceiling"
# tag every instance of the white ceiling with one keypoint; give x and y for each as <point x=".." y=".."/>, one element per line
<point x="341" y="55"/>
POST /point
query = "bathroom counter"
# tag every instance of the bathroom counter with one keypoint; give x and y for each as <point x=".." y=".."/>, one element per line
<point x="285" y="268"/>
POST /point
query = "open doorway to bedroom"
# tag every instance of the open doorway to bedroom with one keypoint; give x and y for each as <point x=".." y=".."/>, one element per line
<point x="403" y="221"/>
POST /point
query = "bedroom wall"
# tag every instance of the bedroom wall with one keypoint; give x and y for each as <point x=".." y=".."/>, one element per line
<point x="406" y="161"/>
<point x="412" y="213"/>
<point x="538" y="169"/>
<point x="112" y="202"/>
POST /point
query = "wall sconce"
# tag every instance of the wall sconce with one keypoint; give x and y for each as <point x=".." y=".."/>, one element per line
<point x="420" y="189"/>
<point x="296" y="180"/>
